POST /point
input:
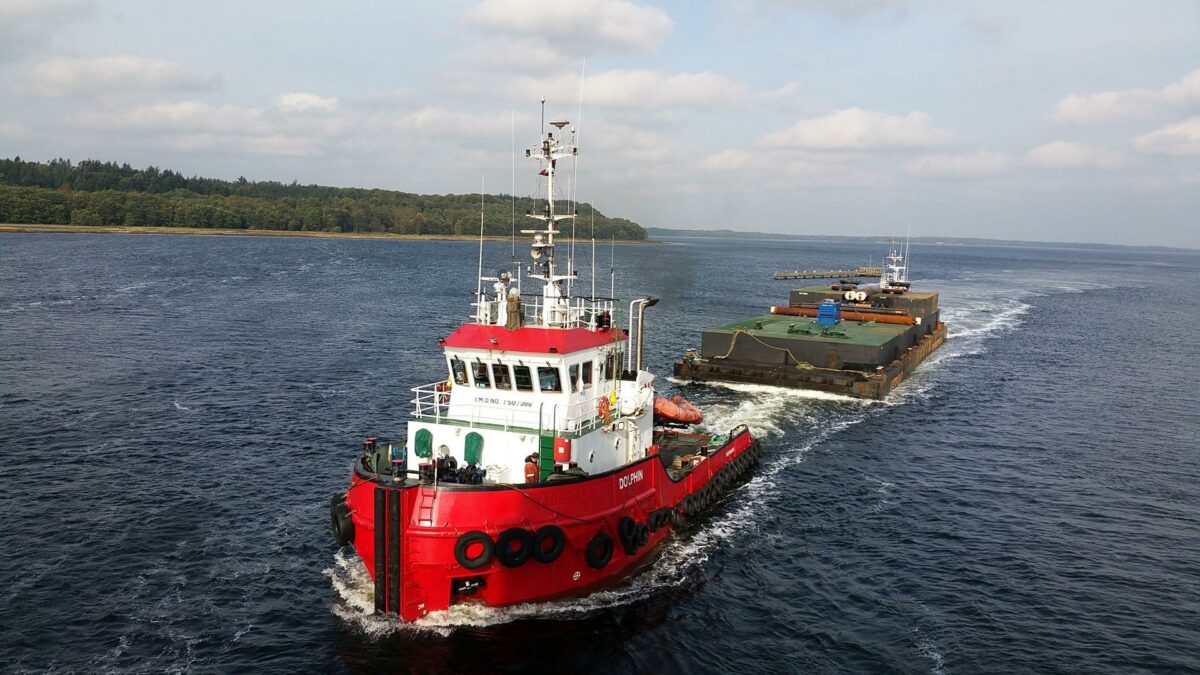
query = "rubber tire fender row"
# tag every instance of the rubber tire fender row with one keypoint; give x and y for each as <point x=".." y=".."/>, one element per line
<point x="464" y="543"/>
<point x="340" y="521"/>
<point x="643" y="535"/>
<point x="599" y="551"/>
<point x="544" y="533"/>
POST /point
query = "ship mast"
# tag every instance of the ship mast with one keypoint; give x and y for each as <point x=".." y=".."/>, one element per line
<point x="555" y="304"/>
<point x="894" y="269"/>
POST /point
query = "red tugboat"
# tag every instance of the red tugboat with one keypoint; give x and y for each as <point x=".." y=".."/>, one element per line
<point x="535" y="471"/>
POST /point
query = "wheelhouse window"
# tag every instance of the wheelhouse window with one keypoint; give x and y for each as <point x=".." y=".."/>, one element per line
<point x="500" y="376"/>
<point x="549" y="379"/>
<point x="573" y="376"/>
<point x="587" y="374"/>
<point x="479" y="371"/>
<point x="523" y="378"/>
<point x="458" y="370"/>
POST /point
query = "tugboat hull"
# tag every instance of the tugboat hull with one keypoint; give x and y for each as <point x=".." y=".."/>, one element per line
<point x="427" y="547"/>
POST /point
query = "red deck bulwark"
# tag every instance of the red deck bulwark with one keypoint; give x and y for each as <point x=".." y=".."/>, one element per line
<point x="531" y="339"/>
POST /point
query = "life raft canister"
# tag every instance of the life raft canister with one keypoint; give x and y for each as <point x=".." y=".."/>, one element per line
<point x="676" y="410"/>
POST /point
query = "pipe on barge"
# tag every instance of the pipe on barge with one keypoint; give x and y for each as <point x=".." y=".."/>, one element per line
<point x="847" y="315"/>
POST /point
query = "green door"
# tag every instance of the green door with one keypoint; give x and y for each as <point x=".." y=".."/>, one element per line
<point x="473" y="453"/>
<point x="424" y="443"/>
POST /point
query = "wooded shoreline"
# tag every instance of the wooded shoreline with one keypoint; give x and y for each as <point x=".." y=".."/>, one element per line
<point x="124" y="229"/>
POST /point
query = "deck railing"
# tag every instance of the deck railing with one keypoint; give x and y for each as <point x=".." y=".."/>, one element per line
<point x="573" y="312"/>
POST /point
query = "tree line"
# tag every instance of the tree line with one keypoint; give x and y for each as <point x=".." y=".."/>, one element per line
<point x="105" y="193"/>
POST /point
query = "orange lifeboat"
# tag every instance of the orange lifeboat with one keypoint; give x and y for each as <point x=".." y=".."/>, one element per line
<point x="676" y="411"/>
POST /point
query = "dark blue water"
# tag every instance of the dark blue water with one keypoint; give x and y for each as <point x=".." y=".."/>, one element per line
<point x="176" y="411"/>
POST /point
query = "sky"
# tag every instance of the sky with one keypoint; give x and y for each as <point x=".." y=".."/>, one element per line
<point x="1048" y="121"/>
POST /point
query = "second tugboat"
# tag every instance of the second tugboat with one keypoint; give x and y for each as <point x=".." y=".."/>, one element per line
<point x="536" y="470"/>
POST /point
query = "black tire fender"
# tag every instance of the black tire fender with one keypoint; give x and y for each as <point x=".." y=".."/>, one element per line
<point x="506" y="554"/>
<point x="341" y="521"/>
<point x="599" y="551"/>
<point x="546" y="533"/>
<point x="625" y="528"/>
<point x="464" y="543"/>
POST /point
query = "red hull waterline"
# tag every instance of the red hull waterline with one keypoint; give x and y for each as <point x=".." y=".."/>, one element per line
<point x="429" y="547"/>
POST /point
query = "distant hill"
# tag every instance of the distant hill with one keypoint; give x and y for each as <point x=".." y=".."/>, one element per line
<point x="884" y="239"/>
<point x="105" y="193"/>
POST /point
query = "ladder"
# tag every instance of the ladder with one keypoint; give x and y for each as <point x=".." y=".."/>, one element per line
<point x="426" y="496"/>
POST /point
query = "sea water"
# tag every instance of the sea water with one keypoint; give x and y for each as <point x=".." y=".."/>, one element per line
<point x="176" y="411"/>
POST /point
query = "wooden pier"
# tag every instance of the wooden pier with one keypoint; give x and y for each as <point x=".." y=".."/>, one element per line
<point x="830" y="274"/>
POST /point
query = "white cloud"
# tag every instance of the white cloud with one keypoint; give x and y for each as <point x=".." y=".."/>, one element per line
<point x="1067" y="155"/>
<point x="299" y="101"/>
<point x="1180" y="139"/>
<point x="963" y="165"/>
<point x="182" y="116"/>
<point x="785" y="95"/>
<point x="808" y="171"/>
<point x="847" y="8"/>
<point x="115" y="74"/>
<point x="195" y="125"/>
<point x="1128" y="104"/>
<point x="29" y="24"/>
<point x="433" y="121"/>
<point x="282" y="145"/>
<point x="858" y="129"/>
<point x="640" y="89"/>
<point x="726" y="160"/>
<point x="515" y="56"/>
<point x="13" y="130"/>
<point x="629" y="148"/>
<point x="577" y="24"/>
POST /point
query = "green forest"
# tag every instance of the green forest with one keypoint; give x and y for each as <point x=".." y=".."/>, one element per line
<point x="105" y="193"/>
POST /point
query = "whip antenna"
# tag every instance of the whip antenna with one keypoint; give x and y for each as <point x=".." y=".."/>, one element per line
<point x="574" y="185"/>
<point x="592" y="210"/>
<point x="479" y="275"/>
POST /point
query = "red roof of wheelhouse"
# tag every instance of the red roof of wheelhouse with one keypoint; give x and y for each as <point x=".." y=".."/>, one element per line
<point x="531" y="339"/>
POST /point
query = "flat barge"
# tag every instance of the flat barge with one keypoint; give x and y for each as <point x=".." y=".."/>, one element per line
<point x="843" y="338"/>
<point x="828" y="274"/>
